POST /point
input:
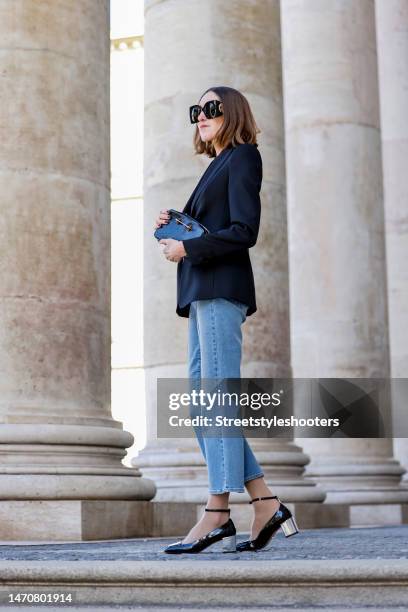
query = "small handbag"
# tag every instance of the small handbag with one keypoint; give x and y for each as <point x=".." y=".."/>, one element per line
<point x="180" y="227"/>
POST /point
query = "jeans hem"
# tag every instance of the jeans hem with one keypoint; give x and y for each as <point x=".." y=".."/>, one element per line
<point x="253" y="476"/>
<point x="236" y="489"/>
<point x="228" y="490"/>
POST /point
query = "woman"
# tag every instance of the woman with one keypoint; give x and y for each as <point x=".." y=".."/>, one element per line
<point x="215" y="290"/>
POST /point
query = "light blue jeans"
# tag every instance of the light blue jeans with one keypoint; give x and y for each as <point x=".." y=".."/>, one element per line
<point x="214" y="351"/>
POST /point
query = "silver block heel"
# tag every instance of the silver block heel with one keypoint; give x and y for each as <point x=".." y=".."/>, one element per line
<point x="289" y="527"/>
<point x="226" y="545"/>
<point x="229" y="544"/>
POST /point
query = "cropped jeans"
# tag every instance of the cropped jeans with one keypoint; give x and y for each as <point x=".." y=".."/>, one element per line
<point x="214" y="352"/>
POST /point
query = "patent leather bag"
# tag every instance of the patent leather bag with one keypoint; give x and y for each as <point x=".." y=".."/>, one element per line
<point x="180" y="227"/>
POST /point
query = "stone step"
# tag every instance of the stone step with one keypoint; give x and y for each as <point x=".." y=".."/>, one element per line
<point x="324" y="583"/>
<point x="148" y="608"/>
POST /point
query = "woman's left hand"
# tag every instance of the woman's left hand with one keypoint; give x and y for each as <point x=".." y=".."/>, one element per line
<point x="173" y="249"/>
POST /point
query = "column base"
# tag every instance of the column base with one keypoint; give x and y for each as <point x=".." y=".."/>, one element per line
<point x="83" y="519"/>
<point x="357" y="484"/>
<point x="401" y="454"/>
<point x="73" y="520"/>
<point x="373" y="515"/>
<point x="327" y="515"/>
<point x="177" y="519"/>
<point x="180" y="473"/>
<point x="76" y="486"/>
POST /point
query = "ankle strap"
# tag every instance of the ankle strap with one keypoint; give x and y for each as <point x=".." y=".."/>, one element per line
<point x="217" y="510"/>
<point x="258" y="498"/>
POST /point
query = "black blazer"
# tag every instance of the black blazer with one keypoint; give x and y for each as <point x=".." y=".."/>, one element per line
<point x="226" y="200"/>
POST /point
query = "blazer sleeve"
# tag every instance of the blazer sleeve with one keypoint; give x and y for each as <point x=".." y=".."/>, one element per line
<point x="244" y="185"/>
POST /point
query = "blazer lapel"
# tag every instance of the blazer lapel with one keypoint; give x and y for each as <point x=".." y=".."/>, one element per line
<point x="205" y="181"/>
<point x="190" y="199"/>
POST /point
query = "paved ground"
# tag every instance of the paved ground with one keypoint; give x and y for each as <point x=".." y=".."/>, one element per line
<point x="362" y="543"/>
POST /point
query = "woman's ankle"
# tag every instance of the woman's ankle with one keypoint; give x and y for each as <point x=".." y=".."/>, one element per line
<point x="258" y="488"/>
<point x="216" y="502"/>
<point x="259" y="503"/>
<point x="216" y="518"/>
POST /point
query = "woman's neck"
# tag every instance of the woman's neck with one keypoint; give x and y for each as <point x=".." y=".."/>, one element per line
<point x="218" y="149"/>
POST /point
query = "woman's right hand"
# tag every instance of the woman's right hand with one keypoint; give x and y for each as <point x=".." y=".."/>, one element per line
<point x="163" y="218"/>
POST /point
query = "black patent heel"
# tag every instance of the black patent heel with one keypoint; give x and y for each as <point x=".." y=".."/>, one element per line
<point x="219" y="539"/>
<point x="281" y="519"/>
<point x="228" y="543"/>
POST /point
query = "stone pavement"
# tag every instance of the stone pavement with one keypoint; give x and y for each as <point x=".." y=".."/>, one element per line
<point x="355" y="543"/>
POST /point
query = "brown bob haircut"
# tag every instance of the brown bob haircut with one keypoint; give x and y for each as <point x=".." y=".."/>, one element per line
<point x="239" y="126"/>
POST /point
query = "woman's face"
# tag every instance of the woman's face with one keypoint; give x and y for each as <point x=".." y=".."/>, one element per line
<point x="208" y="127"/>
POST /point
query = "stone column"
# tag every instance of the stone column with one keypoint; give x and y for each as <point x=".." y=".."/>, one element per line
<point x="339" y="323"/>
<point x="392" y="43"/>
<point x="60" y="446"/>
<point x="194" y="45"/>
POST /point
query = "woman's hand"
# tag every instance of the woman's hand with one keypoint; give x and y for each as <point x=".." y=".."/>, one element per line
<point x="163" y="218"/>
<point x="173" y="249"/>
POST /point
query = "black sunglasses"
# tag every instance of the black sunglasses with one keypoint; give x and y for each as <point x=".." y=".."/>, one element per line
<point x="211" y="109"/>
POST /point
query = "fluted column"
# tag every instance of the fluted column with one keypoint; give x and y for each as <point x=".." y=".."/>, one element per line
<point x="195" y="45"/>
<point x="58" y="440"/>
<point x="339" y="323"/>
<point x="392" y="42"/>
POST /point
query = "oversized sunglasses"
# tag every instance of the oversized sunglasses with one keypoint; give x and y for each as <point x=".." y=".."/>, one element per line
<point x="211" y="109"/>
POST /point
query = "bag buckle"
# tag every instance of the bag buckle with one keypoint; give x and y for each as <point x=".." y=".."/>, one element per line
<point x="188" y="227"/>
